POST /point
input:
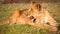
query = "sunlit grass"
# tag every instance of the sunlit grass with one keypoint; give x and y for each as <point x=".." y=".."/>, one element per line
<point x="22" y="29"/>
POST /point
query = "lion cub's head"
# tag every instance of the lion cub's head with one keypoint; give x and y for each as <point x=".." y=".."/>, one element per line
<point x="35" y="6"/>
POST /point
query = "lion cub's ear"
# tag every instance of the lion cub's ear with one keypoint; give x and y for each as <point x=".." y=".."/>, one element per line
<point x="35" y="6"/>
<point x="33" y="2"/>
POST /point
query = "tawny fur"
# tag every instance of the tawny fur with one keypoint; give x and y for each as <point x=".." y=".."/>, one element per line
<point x="14" y="17"/>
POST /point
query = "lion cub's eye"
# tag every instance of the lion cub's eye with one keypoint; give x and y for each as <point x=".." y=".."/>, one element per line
<point x="34" y="20"/>
<point x="31" y="17"/>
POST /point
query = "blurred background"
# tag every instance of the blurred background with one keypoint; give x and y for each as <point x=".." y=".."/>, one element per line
<point x="27" y="1"/>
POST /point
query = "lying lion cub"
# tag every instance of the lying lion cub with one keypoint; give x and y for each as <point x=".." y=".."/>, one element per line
<point x="36" y="16"/>
<point x="41" y="15"/>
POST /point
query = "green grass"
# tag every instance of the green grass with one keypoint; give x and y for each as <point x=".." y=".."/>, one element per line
<point x="6" y="12"/>
<point x="22" y="29"/>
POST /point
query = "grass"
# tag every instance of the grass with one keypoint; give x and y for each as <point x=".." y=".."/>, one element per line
<point x="6" y="12"/>
<point x="22" y="29"/>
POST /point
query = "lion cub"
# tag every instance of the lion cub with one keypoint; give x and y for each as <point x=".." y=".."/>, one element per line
<point x="36" y="16"/>
<point x="41" y="15"/>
